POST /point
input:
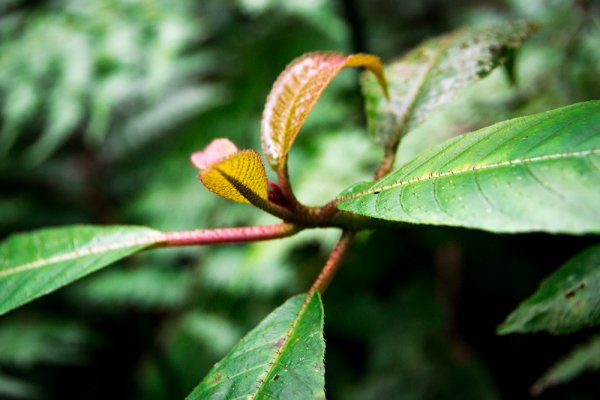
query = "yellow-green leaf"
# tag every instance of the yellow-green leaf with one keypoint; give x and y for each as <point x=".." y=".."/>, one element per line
<point x="238" y="175"/>
<point x="295" y="93"/>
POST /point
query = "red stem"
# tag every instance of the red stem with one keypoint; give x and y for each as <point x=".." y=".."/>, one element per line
<point x="333" y="262"/>
<point x="228" y="235"/>
<point x="386" y="164"/>
<point x="284" y="183"/>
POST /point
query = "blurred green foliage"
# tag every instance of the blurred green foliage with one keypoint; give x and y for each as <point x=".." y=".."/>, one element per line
<point x="93" y="67"/>
<point x="103" y="101"/>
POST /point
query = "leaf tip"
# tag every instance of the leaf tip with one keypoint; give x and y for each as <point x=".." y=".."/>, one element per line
<point x="373" y="64"/>
<point x="238" y="175"/>
<point x="216" y="150"/>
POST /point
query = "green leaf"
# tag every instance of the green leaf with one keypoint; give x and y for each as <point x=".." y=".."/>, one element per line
<point x="282" y="358"/>
<point x="582" y="358"/>
<point x="34" y="264"/>
<point x="568" y="300"/>
<point x="433" y="74"/>
<point x="536" y="173"/>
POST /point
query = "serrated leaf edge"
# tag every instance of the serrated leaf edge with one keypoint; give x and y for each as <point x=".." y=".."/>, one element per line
<point x="274" y="361"/>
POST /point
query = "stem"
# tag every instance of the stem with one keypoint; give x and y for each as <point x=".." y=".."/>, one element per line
<point x="286" y="187"/>
<point x="271" y="208"/>
<point x="305" y="215"/>
<point x="387" y="163"/>
<point x="333" y="262"/>
<point x="320" y="216"/>
<point x="263" y="204"/>
<point x="228" y="235"/>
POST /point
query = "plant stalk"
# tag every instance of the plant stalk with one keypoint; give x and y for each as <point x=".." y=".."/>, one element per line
<point x="387" y="163"/>
<point x="264" y="204"/>
<point x="333" y="262"/>
<point x="283" y="178"/>
<point x="228" y="235"/>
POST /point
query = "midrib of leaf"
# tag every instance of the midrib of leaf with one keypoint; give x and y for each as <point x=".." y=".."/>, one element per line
<point x="288" y="121"/>
<point x="416" y="93"/>
<point x="472" y="168"/>
<point x="262" y="379"/>
<point x="80" y="253"/>
<point x="283" y="137"/>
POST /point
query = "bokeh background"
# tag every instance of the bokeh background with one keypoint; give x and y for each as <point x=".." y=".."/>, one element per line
<point x="103" y="101"/>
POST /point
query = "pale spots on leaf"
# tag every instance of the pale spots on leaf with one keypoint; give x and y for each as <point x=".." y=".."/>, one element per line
<point x="433" y="74"/>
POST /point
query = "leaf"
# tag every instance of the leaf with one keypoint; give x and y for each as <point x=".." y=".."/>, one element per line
<point x="433" y="74"/>
<point x="582" y="358"/>
<point x="37" y="263"/>
<point x="295" y="93"/>
<point x="237" y="175"/>
<point x="536" y="173"/>
<point x="568" y="300"/>
<point x="282" y="358"/>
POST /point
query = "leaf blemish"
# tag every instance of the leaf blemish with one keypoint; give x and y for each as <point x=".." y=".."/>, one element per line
<point x="275" y="377"/>
<point x="571" y="293"/>
<point x="217" y="378"/>
<point x="498" y="48"/>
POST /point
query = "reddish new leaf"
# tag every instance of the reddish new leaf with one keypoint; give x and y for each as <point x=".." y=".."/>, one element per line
<point x="295" y="93"/>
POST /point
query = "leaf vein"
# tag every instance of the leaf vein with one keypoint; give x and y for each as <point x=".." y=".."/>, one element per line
<point x="486" y="199"/>
<point x="262" y="378"/>
<point x="78" y="253"/>
<point x="470" y="169"/>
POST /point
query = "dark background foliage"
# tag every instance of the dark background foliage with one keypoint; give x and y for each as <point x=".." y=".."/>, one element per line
<point x="101" y="104"/>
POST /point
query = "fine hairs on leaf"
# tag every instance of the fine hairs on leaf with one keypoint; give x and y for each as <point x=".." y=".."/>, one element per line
<point x="221" y="162"/>
<point x="536" y="173"/>
<point x="295" y="93"/>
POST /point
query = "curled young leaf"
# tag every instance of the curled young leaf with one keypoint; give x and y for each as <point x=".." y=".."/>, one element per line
<point x="295" y="93"/>
<point x="238" y="175"/>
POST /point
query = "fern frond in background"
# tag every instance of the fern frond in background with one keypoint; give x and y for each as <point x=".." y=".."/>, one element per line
<point x="97" y="67"/>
